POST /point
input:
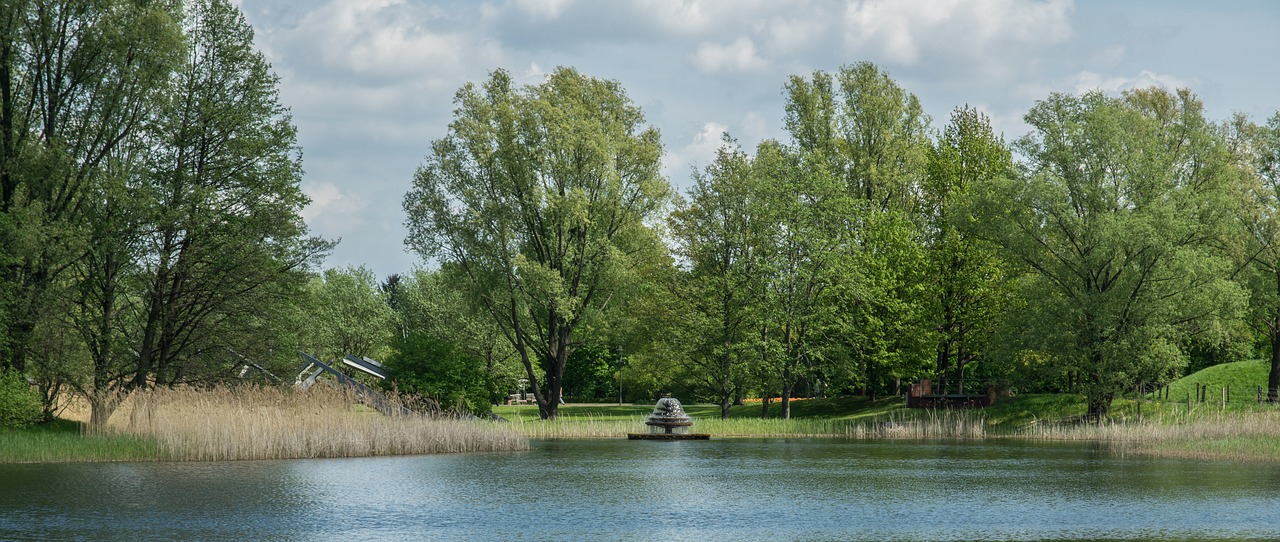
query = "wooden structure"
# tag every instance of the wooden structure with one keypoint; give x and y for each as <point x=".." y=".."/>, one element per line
<point x="921" y="395"/>
<point x="313" y="368"/>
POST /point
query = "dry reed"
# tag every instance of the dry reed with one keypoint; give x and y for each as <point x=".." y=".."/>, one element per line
<point x="1230" y="435"/>
<point x="272" y="423"/>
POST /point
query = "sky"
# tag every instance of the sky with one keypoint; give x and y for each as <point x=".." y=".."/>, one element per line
<point x="370" y="83"/>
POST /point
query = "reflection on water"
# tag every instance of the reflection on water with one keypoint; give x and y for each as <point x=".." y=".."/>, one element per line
<point x="644" y="490"/>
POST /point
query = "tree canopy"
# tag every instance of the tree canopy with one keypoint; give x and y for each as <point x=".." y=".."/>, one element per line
<point x="541" y="196"/>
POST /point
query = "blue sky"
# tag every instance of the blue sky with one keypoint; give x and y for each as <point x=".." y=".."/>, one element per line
<point x="370" y="82"/>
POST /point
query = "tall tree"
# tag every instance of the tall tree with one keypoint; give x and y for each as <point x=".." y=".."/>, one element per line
<point x="76" y="81"/>
<point x="863" y="129"/>
<point x="1118" y="214"/>
<point x="873" y="134"/>
<point x="721" y="235"/>
<point x="1261" y="216"/>
<point x="967" y="275"/>
<point x="223" y="236"/>
<point x="807" y="261"/>
<point x="540" y="195"/>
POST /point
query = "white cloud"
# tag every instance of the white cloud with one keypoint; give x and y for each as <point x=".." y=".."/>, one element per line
<point x="1086" y="81"/>
<point x="333" y="212"/>
<point x="791" y="34"/>
<point x="543" y="10"/>
<point x="739" y="56"/>
<point x="697" y="153"/>
<point x="909" y="31"/>
<point x="701" y="16"/>
<point x="385" y="39"/>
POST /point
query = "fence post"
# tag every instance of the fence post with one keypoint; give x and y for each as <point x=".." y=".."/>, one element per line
<point x="1224" y="399"/>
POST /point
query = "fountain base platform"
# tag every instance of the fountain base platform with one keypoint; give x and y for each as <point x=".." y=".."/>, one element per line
<point x="668" y="436"/>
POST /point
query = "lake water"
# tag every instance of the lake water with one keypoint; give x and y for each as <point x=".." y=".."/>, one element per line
<point x="628" y="490"/>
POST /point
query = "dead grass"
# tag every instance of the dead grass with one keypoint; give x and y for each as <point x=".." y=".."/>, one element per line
<point x="1228" y="436"/>
<point x="272" y="423"/>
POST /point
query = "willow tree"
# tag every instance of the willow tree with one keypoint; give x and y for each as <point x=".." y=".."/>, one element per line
<point x="542" y="196"/>
<point x="1118" y="217"/>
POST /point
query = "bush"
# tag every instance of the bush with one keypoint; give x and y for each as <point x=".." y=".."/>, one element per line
<point x="20" y="403"/>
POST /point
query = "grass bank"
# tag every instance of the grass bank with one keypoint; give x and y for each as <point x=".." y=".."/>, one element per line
<point x="1244" y="431"/>
<point x="64" y="441"/>
<point x="253" y="423"/>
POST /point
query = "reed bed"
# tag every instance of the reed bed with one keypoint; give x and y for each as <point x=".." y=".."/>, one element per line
<point x="272" y="423"/>
<point x="1228" y="435"/>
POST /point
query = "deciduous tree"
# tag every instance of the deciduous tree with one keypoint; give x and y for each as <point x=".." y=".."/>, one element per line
<point x="540" y="195"/>
<point x="1118" y="214"/>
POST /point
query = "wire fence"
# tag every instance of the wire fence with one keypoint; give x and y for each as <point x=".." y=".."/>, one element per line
<point x="1200" y="394"/>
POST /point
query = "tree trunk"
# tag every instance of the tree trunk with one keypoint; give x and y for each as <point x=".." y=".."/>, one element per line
<point x="1273" y="379"/>
<point x="786" y="400"/>
<point x="1099" y="406"/>
<point x="943" y="364"/>
<point x="764" y="405"/>
<point x="102" y="405"/>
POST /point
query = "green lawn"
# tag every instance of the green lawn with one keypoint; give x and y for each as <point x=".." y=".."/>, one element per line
<point x="1242" y="377"/>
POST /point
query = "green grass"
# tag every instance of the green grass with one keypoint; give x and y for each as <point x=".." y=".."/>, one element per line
<point x="1008" y="415"/>
<point x="63" y="441"/>
<point x="1242" y="377"/>
<point x="834" y="408"/>
<point x="849" y="417"/>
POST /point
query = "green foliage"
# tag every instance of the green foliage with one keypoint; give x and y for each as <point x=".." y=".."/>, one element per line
<point x="1260" y="214"/>
<point x="436" y="304"/>
<point x="592" y="374"/>
<point x="349" y="314"/>
<point x="20" y="403"/>
<point x="870" y="137"/>
<point x="968" y="292"/>
<point x="1117" y="217"/>
<point x="437" y="369"/>
<point x="543" y="198"/>
<point x="724" y="235"/>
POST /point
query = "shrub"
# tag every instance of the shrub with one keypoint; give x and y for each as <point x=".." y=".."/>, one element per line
<point x="20" y="403"/>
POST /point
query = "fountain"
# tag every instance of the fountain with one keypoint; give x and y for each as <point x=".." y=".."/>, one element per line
<point x="668" y="422"/>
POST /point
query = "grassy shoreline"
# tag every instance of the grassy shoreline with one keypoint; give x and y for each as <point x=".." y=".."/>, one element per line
<point x="261" y="423"/>
<point x="1241" y="432"/>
